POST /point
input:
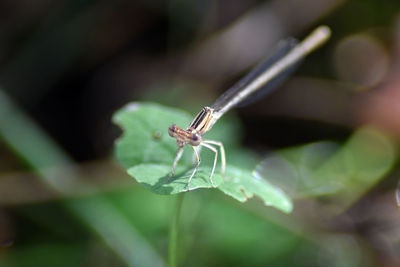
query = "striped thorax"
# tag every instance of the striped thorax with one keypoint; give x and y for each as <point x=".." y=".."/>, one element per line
<point x="201" y="124"/>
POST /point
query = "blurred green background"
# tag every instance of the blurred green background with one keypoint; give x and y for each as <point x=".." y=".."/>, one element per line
<point x="329" y="136"/>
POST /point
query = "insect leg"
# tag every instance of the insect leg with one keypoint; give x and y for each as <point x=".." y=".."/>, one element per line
<point x="178" y="156"/>
<point x="196" y="168"/>
<point x="215" y="159"/>
<point x="221" y="148"/>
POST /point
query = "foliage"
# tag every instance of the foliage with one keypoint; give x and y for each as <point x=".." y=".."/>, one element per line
<point x="147" y="151"/>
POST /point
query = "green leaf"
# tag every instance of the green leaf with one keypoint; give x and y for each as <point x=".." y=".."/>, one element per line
<point x="156" y="177"/>
<point x="145" y="138"/>
<point x="147" y="152"/>
<point x="243" y="184"/>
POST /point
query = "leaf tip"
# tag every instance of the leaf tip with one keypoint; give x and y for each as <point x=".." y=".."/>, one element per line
<point x="132" y="106"/>
<point x="286" y="206"/>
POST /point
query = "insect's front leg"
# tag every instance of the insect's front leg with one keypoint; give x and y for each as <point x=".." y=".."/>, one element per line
<point x="198" y="150"/>
<point x="178" y="156"/>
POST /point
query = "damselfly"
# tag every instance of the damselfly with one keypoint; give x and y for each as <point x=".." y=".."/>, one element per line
<point x="262" y="79"/>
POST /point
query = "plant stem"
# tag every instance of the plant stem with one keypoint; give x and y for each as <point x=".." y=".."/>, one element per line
<point x="173" y="232"/>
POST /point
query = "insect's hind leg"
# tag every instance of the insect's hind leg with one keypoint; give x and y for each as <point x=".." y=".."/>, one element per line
<point x="215" y="159"/>
<point x="221" y="148"/>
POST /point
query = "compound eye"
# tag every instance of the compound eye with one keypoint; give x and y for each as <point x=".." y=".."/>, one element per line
<point x="196" y="139"/>
<point x="171" y="130"/>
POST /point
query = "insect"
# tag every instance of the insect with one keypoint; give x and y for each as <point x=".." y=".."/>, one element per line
<point x="263" y="79"/>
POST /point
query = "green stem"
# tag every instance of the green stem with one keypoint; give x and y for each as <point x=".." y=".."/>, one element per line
<point x="173" y="232"/>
